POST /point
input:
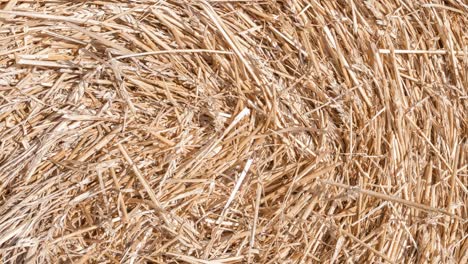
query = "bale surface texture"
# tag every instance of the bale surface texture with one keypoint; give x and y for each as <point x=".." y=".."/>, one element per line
<point x="233" y="131"/>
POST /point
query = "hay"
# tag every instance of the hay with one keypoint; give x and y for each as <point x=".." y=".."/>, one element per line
<point x="229" y="131"/>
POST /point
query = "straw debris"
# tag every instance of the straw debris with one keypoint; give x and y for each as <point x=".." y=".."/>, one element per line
<point x="233" y="131"/>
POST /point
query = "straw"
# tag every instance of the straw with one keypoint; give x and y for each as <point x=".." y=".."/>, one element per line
<point x="233" y="131"/>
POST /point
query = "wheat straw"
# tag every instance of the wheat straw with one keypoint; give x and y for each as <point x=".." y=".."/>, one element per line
<point x="233" y="131"/>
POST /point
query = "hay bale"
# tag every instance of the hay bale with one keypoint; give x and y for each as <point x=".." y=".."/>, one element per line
<point x="233" y="131"/>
